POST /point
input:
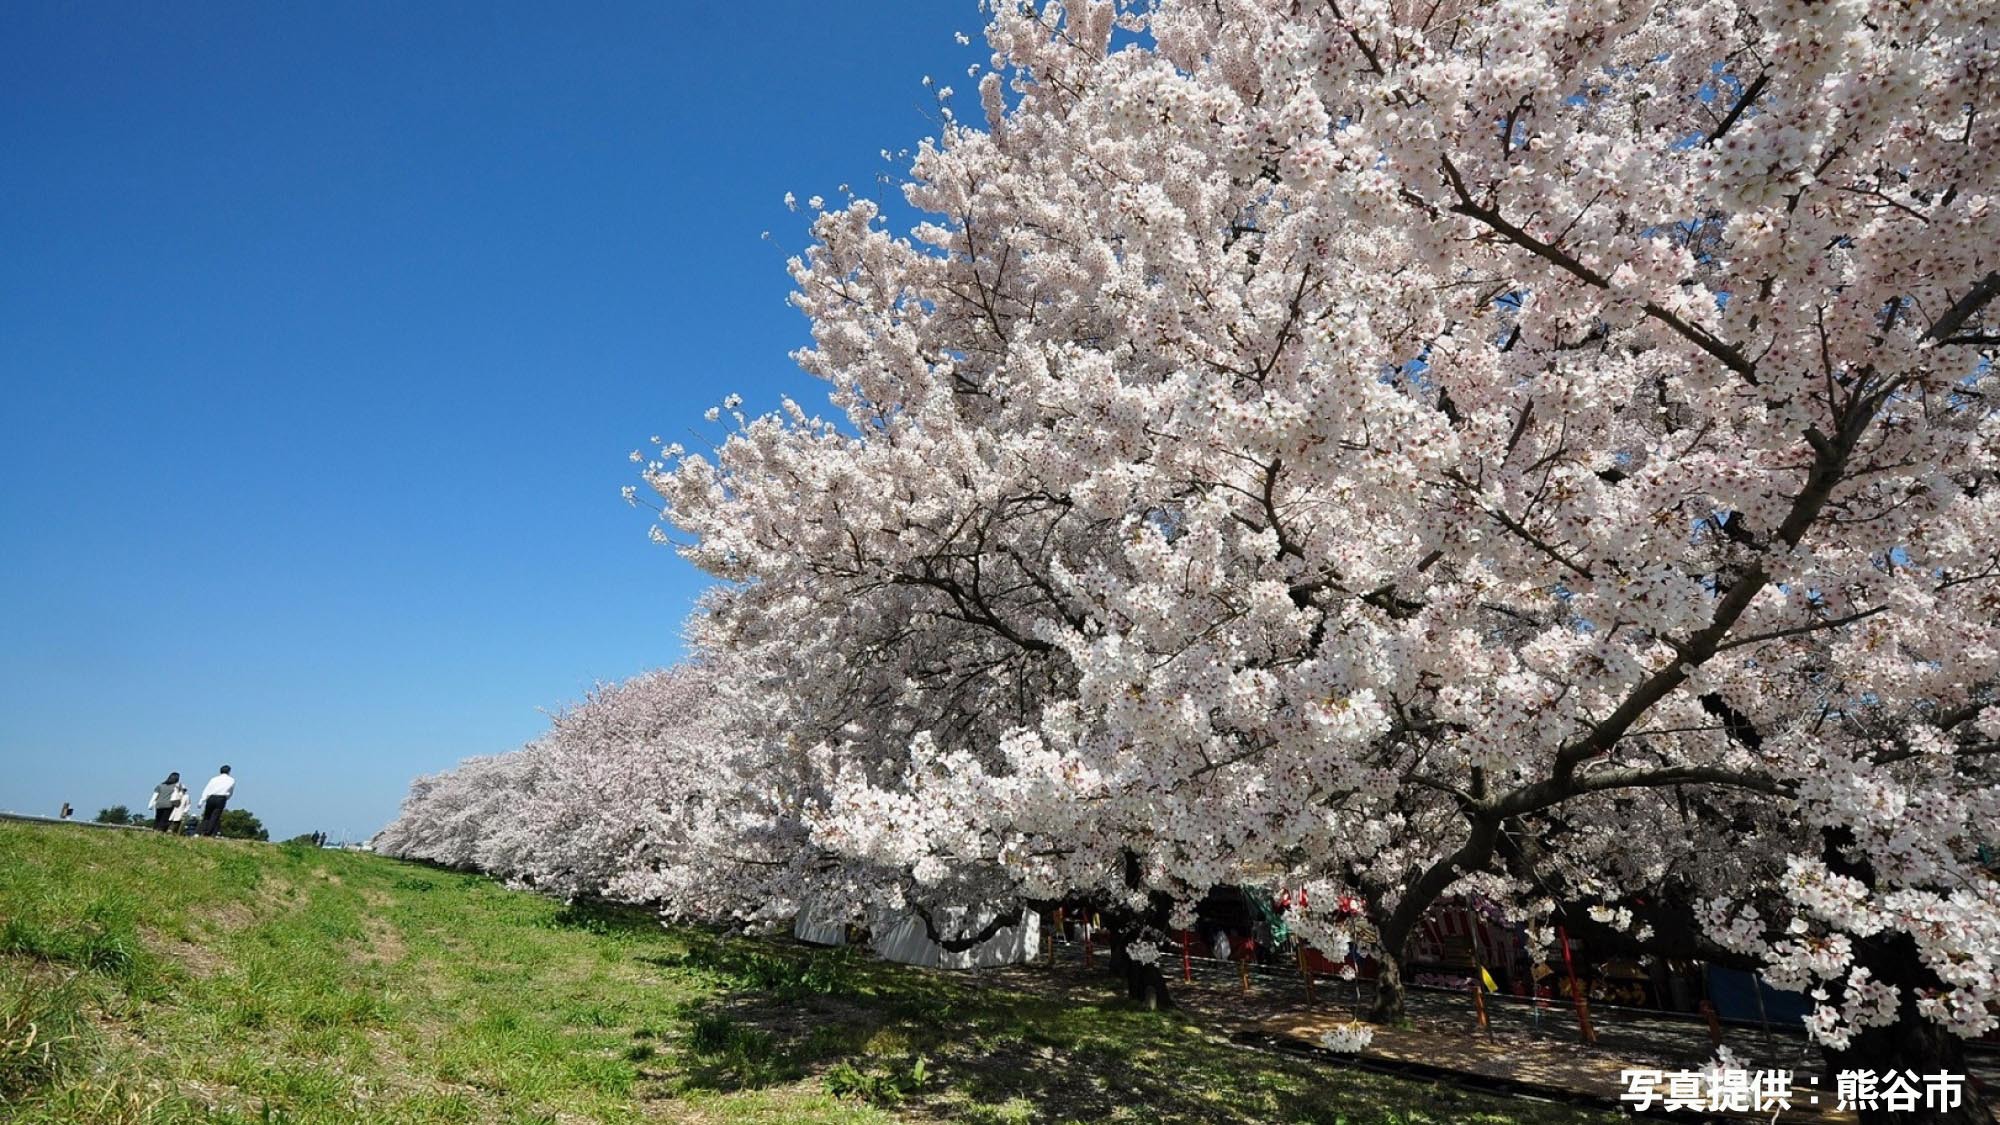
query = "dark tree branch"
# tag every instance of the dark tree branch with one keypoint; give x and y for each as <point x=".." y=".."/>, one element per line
<point x="1707" y="341"/>
<point x="1963" y="309"/>
<point x="1750" y="94"/>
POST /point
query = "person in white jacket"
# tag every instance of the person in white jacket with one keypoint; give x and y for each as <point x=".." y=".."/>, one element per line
<point x="169" y="802"/>
<point x="175" y="819"/>
<point x="214" y="796"/>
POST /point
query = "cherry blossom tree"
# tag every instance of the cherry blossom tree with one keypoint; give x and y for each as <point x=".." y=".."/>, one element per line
<point x="1361" y="440"/>
<point x="603" y="769"/>
<point x="658" y="791"/>
<point x="651" y="791"/>
<point x="451" y="818"/>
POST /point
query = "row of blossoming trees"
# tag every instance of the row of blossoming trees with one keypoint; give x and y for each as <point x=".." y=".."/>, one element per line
<point x="641" y="793"/>
<point x="1544" y="450"/>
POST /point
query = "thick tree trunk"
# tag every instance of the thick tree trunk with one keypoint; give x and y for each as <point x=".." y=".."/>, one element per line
<point x="1145" y="984"/>
<point x="1422" y="894"/>
<point x="1389" y="997"/>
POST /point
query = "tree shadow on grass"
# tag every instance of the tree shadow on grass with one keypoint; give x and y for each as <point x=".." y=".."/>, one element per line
<point x="760" y="967"/>
<point x="604" y="918"/>
<point x="945" y="1046"/>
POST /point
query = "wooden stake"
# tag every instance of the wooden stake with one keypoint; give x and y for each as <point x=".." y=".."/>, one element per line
<point x="1576" y="990"/>
<point x="1305" y="971"/>
<point x="1187" y="960"/>
<point x="1714" y="1024"/>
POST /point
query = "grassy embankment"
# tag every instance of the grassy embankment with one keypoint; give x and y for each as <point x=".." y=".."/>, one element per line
<point x="145" y="979"/>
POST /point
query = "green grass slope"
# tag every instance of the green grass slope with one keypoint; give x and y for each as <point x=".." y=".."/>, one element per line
<point x="156" y="980"/>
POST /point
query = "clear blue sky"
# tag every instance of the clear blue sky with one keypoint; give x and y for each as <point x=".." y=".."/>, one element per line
<point x="324" y="333"/>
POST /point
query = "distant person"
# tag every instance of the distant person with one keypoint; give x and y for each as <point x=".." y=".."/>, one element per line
<point x="214" y="797"/>
<point x="66" y="810"/>
<point x="178" y="818"/>
<point x="168" y="795"/>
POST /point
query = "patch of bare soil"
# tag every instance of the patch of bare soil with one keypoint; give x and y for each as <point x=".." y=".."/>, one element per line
<point x="228" y="917"/>
<point x="199" y="960"/>
<point x="396" y="1072"/>
<point x="385" y="942"/>
<point x="275" y="895"/>
<point x="134" y="1096"/>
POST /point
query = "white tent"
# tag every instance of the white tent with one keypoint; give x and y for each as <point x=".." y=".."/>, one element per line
<point x="904" y="938"/>
<point x="820" y="926"/>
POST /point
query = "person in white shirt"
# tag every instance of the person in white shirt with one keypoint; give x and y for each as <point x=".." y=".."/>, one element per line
<point x="168" y="796"/>
<point x="214" y="796"/>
